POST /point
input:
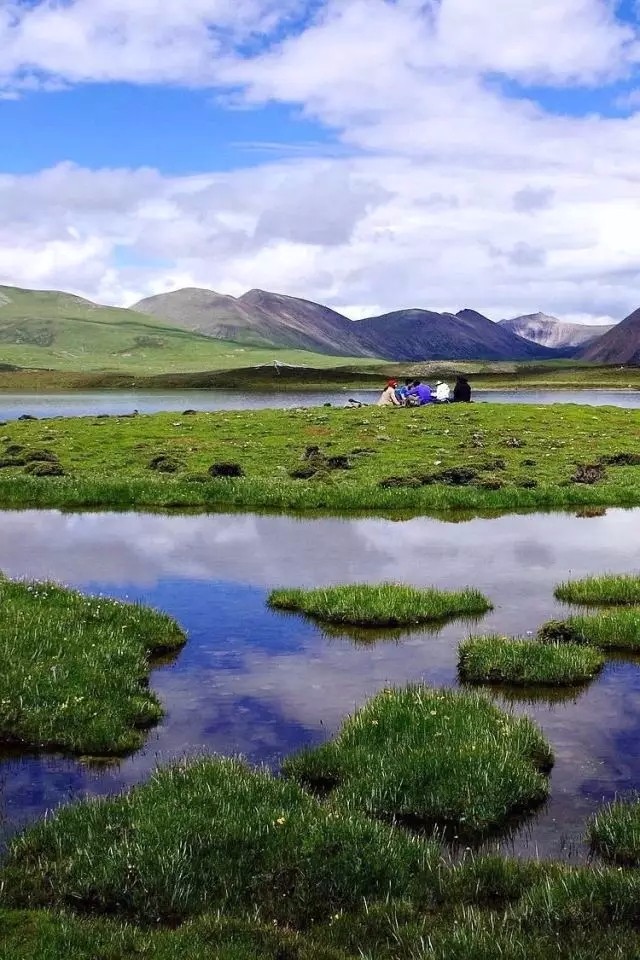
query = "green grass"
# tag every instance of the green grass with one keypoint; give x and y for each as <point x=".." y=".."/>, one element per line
<point x="496" y="659"/>
<point x="403" y="461"/>
<point x="615" y="832"/>
<point x="436" y="757"/>
<point x="384" y="605"/>
<point x="617" y="629"/>
<point x="607" y="590"/>
<point x="74" y="669"/>
<point x="42" y="935"/>
<point x="212" y="835"/>
<point x="54" y="331"/>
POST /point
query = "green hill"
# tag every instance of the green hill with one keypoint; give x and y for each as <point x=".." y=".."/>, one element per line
<point x="58" y="331"/>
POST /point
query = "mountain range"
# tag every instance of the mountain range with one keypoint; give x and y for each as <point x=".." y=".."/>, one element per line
<point x="196" y="329"/>
<point x="262" y="318"/>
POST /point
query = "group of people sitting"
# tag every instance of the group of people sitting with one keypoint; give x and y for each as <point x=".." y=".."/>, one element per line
<point x="414" y="393"/>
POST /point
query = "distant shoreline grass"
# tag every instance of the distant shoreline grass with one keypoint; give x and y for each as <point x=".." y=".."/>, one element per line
<point x="74" y="669"/>
<point x="607" y="590"/>
<point x="495" y="659"/>
<point x="483" y="457"/>
<point x="383" y="605"/>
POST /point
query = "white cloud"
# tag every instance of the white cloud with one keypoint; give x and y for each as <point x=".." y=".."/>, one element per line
<point x="447" y="193"/>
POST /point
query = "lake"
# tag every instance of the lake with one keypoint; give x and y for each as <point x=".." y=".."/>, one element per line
<point x="116" y="402"/>
<point x="263" y="684"/>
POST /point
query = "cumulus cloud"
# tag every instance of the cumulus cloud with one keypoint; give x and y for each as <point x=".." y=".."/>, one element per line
<point x="449" y="187"/>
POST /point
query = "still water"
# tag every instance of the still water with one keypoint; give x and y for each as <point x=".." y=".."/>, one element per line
<point x="254" y="682"/>
<point x="116" y="402"/>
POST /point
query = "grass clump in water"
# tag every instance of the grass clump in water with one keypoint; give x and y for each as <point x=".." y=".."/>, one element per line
<point x="609" y="590"/>
<point x="75" y="669"/>
<point x="495" y="659"/>
<point x="432" y="757"/>
<point x="613" y="630"/>
<point x="384" y="605"/>
<point x="615" y="832"/>
<point x="211" y="835"/>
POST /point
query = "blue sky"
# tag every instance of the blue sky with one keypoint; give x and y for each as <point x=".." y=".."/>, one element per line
<point x="366" y="153"/>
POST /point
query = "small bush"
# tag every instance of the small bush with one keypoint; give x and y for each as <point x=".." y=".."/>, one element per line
<point x="589" y="473"/>
<point x="40" y="456"/>
<point x="621" y="460"/>
<point x="607" y="590"/>
<point x="164" y="464"/>
<point x="386" y="605"/>
<point x="617" y="629"/>
<point x="495" y="659"/>
<point x="226" y="470"/>
<point x="37" y="469"/>
<point x="615" y="832"/>
<point x="431" y="757"/>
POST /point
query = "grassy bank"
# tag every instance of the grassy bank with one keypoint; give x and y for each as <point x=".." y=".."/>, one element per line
<point x="386" y="605"/>
<point x="615" y="832"/>
<point x="608" y="590"/>
<point x="230" y="366"/>
<point x="255" y="867"/>
<point x="495" y="659"/>
<point x="465" y="457"/>
<point x="434" y="757"/>
<point x="618" y="629"/>
<point x="212" y="835"/>
<point x="75" y="669"/>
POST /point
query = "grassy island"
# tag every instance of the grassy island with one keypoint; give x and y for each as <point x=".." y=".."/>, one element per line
<point x="478" y="456"/>
<point x="435" y="757"/>
<point x="495" y="659"/>
<point x="75" y="669"/>
<point x="609" y="590"/>
<point x="617" y="629"/>
<point x="385" y="605"/>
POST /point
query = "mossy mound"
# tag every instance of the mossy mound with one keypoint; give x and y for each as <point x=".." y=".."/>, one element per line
<point x="431" y="757"/>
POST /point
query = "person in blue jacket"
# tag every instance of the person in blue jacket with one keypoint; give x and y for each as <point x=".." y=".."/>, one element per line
<point x="421" y="393"/>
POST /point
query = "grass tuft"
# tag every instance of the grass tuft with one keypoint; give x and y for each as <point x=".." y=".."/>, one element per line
<point x="385" y="605"/>
<point x="608" y="590"/>
<point x="211" y="835"/>
<point x="75" y="669"/>
<point x="615" y="832"/>
<point x="613" y="630"/>
<point x="433" y="757"/>
<point x="495" y="659"/>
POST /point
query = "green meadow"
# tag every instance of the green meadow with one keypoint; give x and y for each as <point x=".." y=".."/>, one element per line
<point x="474" y="457"/>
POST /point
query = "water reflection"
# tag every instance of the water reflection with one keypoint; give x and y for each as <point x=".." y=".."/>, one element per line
<point x="259" y="683"/>
<point x="119" y="402"/>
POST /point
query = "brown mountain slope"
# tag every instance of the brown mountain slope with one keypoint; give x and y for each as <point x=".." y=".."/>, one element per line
<point x="259" y="318"/>
<point x="415" y="335"/>
<point x="620" y="345"/>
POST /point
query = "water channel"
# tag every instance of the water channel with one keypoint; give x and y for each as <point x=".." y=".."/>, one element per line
<point x="116" y="402"/>
<point x="262" y="684"/>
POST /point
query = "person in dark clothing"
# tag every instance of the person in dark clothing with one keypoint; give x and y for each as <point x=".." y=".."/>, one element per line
<point x="462" y="391"/>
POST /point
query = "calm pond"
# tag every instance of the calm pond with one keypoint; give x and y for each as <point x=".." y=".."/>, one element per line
<point x="117" y="402"/>
<point x="262" y="684"/>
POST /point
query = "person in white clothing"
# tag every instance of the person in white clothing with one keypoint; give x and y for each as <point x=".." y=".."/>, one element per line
<point x="443" y="392"/>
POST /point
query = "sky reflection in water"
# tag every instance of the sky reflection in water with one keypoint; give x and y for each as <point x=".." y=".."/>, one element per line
<point x="263" y="684"/>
